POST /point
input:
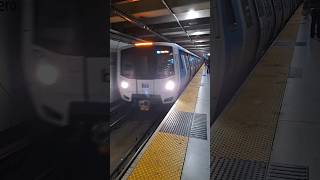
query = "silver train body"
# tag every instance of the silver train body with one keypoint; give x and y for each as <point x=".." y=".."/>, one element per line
<point x="114" y="92"/>
<point x="67" y="79"/>
<point x="155" y="73"/>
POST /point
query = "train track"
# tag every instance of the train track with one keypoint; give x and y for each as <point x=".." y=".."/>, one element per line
<point x="131" y="154"/>
<point x="118" y="112"/>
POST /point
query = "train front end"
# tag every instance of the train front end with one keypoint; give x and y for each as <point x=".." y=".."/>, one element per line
<point x="147" y="74"/>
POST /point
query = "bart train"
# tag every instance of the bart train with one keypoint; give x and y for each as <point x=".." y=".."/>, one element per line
<point x="154" y="73"/>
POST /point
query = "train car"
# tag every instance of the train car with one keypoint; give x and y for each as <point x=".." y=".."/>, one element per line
<point x="66" y="77"/>
<point x="154" y="73"/>
<point x="114" y="91"/>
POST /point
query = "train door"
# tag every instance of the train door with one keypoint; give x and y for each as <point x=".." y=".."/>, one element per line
<point x="270" y="20"/>
<point x="278" y="16"/>
<point x="186" y="59"/>
<point x="183" y="69"/>
<point x="191" y="60"/>
<point x="249" y="28"/>
<point x="197" y="60"/>
<point x="286" y="11"/>
<point x="284" y="4"/>
<point x="191" y="66"/>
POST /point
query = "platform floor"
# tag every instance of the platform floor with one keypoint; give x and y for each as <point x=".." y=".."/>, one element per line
<point x="297" y="140"/>
<point x="270" y="128"/>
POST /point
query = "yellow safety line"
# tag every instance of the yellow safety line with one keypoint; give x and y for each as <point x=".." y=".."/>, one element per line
<point x="163" y="159"/>
<point x="187" y="100"/>
<point x="165" y="154"/>
<point x="246" y="128"/>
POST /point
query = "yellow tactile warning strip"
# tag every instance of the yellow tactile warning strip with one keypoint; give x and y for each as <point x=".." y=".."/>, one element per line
<point x="245" y="130"/>
<point x="164" y="156"/>
<point x="187" y="100"/>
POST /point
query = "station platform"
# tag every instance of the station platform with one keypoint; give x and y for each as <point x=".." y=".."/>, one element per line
<point x="179" y="148"/>
<point x="271" y="127"/>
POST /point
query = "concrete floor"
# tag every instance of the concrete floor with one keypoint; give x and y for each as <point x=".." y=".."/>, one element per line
<point x="298" y="133"/>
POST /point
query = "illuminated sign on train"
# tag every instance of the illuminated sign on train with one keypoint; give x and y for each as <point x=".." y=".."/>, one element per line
<point x="163" y="52"/>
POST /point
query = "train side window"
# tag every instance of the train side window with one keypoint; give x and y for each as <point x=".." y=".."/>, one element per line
<point x="182" y="61"/>
<point x="230" y="13"/>
<point x="268" y="8"/>
<point x="276" y="5"/>
<point x="247" y="12"/>
<point x="279" y="5"/>
<point x="186" y="58"/>
<point x="191" y="60"/>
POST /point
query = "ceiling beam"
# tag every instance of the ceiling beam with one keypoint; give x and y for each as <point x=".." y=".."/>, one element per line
<point x="138" y="23"/>
<point x="118" y="36"/>
<point x="174" y="15"/>
<point x="152" y="5"/>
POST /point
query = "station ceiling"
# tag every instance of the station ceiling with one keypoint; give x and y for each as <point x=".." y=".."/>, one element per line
<point x="185" y="22"/>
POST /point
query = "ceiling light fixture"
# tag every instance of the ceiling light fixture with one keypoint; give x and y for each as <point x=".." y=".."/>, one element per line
<point x="144" y="44"/>
<point x="197" y="33"/>
<point x="192" y="14"/>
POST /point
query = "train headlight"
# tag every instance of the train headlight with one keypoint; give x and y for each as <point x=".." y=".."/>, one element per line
<point x="170" y="85"/>
<point x="47" y="74"/>
<point x="124" y="84"/>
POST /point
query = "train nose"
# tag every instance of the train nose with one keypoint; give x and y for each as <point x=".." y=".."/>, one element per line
<point x="145" y="87"/>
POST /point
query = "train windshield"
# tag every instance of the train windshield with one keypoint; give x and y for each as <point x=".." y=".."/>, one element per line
<point x="150" y="62"/>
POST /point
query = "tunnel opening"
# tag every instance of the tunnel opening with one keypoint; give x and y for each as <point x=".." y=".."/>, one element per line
<point x="175" y="36"/>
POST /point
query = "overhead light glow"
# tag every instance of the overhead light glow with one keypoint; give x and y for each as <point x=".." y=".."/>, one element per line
<point x="126" y="2"/>
<point x="47" y="74"/>
<point x="208" y="54"/>
<point x="197" y="33"/>
<point x="201" y="45"/>
<point x="191" y="14"/>
<point x="163" y="52"/>
<point x="144" y="44"/>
